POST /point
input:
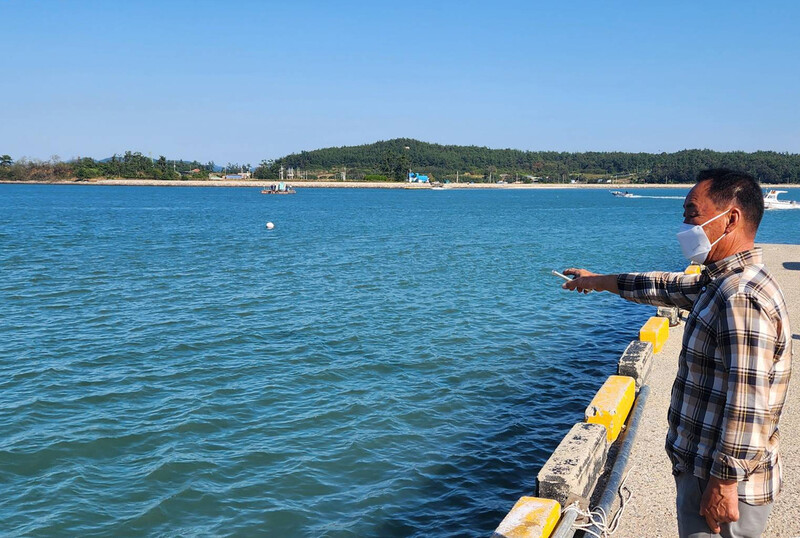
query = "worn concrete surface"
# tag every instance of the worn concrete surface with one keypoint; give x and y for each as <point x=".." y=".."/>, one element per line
<point x="672" y="313"/>
<point x="575" y="465"/>
<point x="637" y="362"/>
<point x="651" y="512"/>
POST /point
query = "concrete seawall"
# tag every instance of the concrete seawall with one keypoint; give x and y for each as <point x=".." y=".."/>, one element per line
<point x="129" y="182"/>
<point x="321" y="184"/>
<point x="579" y="467"/>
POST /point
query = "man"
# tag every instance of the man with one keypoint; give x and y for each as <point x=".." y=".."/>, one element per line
<point x="734" y="364"/>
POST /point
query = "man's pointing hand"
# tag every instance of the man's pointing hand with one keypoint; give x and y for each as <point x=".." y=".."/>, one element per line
<point x="586" y="281"/>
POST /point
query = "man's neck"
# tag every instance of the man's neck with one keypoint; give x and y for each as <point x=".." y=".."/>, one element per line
<point x="729" y="248"/>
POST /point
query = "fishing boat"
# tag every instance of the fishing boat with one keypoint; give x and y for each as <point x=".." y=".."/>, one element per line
<point x="771" y="201"/>
<point x="620" y="194"/>
<point x="280" y="188"/>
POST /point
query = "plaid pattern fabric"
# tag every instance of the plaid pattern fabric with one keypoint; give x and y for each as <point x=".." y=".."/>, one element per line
<point x="733" y="370"/>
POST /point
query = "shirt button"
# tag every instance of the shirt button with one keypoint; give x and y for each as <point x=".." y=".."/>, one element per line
<point x="703" y="288"/>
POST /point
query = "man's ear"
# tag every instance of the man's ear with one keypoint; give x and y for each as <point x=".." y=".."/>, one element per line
<point x="735" y="220"/>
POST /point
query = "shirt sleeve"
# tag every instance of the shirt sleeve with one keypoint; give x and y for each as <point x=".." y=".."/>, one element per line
<point x="660" y="288"/>
<point x="746" y="339"/>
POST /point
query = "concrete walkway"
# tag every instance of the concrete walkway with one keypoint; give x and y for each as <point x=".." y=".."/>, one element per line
<point x="651" y="512"/>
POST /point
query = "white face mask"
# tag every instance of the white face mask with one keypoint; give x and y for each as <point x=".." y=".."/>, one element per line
<point x="694" y="241"/>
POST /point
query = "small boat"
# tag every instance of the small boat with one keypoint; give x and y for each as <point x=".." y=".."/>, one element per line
<point x="771" y="201"/>
<point x="620" y="194"/>
<point x="280" y="188"/>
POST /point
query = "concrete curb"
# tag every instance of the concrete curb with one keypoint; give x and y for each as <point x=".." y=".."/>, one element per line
<point x="637" y="362"/>
<point x="575" y="465"/>
<point x="671" y="313"/>
<point x="573" y="469"/>
<point x="571" y="473"/>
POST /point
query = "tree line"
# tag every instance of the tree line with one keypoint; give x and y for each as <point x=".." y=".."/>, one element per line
<point x="128" y="165"/>
<point x="391" y="160"/>
<point x="394" y="158"/>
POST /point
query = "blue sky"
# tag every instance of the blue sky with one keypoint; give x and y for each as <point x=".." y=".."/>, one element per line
<point x="241" y="81"/>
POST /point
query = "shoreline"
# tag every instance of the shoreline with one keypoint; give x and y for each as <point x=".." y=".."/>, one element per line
<point x="367" y="184"/>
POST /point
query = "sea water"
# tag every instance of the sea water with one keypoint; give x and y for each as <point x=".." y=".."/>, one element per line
<point x="382" y="363"/>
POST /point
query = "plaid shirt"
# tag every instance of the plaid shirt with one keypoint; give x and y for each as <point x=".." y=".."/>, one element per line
<point x="733" y="370"/>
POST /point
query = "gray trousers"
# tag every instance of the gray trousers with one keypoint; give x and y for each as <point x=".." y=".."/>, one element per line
<point x="752" y="519"/>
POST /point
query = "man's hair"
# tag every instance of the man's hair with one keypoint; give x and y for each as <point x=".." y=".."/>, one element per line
<point x="729" y="187"/>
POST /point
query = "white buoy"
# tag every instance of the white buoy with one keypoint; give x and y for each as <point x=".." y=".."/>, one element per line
<point x="270" y="226"/>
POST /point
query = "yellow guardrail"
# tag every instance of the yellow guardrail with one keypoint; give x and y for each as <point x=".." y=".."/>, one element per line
<point x="611" y="405"/>
<point x="655" y="331"/>
<point x="531" y="517"/>
<point x="693" y="269"/>
<point x="537" y="517"/>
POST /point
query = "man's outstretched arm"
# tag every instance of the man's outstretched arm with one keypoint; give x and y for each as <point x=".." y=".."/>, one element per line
<point x="586" y="281"/>
<point x="655" y="288"/>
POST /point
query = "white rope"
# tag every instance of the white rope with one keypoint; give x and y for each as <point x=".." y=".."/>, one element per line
<point x="598" y="517"/>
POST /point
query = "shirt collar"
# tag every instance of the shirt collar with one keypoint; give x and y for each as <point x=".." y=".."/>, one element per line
<point x="735" y="261"/>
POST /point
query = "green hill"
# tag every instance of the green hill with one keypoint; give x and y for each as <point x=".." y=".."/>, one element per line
<point x="393" y="159"/>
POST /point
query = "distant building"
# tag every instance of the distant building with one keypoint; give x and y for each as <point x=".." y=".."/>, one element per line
<point x="240" y="175"/>
<point x="417" y="178"/>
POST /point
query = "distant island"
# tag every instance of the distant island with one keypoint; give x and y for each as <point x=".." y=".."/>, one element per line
<point x="391" y="160"/>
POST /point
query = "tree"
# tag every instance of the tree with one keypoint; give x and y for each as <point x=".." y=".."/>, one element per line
<point x="268" y="169"/>
<point x="395" y="165"/>
<point x="5" y="160"/>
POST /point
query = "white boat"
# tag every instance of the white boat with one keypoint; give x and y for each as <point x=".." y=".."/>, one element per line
<point x="620" y="194"/>
<point x="771" y="201"/>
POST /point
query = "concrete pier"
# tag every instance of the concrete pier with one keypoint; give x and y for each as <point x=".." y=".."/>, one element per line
<point x="651" y="511"/>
